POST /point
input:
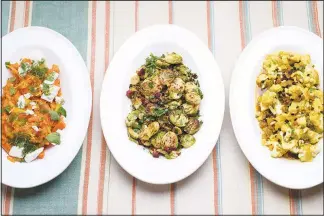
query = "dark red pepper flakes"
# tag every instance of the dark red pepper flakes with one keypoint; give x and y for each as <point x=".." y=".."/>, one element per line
<point x="195" y="76"/>
<point x="141" y="72"/>
<point x="129" y="93"/>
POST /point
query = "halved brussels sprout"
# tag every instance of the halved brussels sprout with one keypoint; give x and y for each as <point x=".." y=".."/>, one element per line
<point x="156" y="140"/>
<point x="149" y="87"/>
<point x="177" y="130"/>
<point x="167" y="76"/>
<point x="192" y="126"/>
<point x="178" y="118"/>
<point x="190" y="86"/>
<point x="178" y="85"/>
<point x="161" y="63"/>
<point x="133" y="133"/>
<point x="131" y="118"/>
<point x="176" y="88"/>
<point x="149" y="131"/>
<point x="173" y="105"/>
<point x="175" y="95"/>
<point x="173" y="58"/>
<point x="187" y="140"/>
<point x="193" y="98"/>
<point x="172" y="155"/>
<point x="190" y="109"/>
<point x="170" y="140"/>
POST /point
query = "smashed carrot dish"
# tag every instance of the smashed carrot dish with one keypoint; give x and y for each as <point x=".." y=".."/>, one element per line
<point x="32" y="114"/>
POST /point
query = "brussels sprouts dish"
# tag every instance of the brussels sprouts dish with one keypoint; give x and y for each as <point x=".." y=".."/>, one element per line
<point x="290" y="108"/>
<point x="165" y="98"/>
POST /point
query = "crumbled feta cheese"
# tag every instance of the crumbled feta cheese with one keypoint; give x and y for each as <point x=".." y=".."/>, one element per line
<point x="16" y="151"/>
<point x="35" y="128"/>
<point x="50" y="80"/>
<point x="24" y="68"/>
<point x="59" y="131"/>
<point x="33" y="155"/>
<point x="53" y="91"/>
<point x="59" y="100"/>
<point x="33" y="104"/>
<point x="27" y="96"/>
<point x="21" y="102"/>
<point x="29" y="112"/>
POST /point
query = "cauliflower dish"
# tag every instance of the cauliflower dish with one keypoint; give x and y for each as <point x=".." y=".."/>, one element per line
<point x="165" y="97"/>
<point x="290" y="108"/>
<point x="32" y="114"/>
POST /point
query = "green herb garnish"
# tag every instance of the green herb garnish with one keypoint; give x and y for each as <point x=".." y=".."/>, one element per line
<point x="61" y="111"/>
<point x="54" y="138"/>
<point x="54" y="115"/>
<point x="38" y="69"/>
<point x="46" y="89"/>
<point x="7" y="64"/>
<point x="159" y="112"/>
<point x="12" y="90"/>
<point x="7" y="109"/>
<point x="32" y="89"/>
<point x="50" y="77"/>
<point x="12" y="117"/>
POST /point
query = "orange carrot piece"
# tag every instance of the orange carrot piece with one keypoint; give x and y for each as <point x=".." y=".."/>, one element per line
<point x="12" y="159"/>
<point x="13" y="70"/>
<point x="60" y="125"/>
<point x="33" y="119"/>
<point x="57" y="82"/>
<point x="6" y="147"/>
<point x="55" y="68"/>
<point x="41" y="155"/>
<point x="26" y="60"/>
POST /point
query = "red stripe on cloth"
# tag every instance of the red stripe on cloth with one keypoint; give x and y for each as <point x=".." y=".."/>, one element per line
<point x="134" y="180"/>
<point x="103" y="142"/>
<point x="12" y="16"/>
<point x="26" y="18"/>
<point x="89" y="136"/>
<point x="315" y="18"/>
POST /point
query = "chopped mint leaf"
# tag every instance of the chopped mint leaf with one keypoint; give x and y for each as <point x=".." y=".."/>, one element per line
<point x="12" y="90"/>
<point x="61" y="111"/>
<point x="7" y="64"/>
<point x="54" y="138"/>
<point x="54" y="115"/>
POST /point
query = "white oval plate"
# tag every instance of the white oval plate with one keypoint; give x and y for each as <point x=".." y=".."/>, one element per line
<point x="114" y="105"/>
<point x="287" y="173"/>
<point x="35" y="43"/>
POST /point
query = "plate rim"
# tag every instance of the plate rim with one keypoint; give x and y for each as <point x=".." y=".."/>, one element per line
<point x="122" y="47"/>
<point x="87" y="114"/>
<point x="235" y="126"/>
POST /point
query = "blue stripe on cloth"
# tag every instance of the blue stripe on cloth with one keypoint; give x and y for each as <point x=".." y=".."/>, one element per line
<point x="218" y="158"/>
<point x="5" y="8"/>
<point x="258" y="178"/>
<point x="59" y="196"/>
<point x="279" y="13"/>
<point x="311" y="24"/>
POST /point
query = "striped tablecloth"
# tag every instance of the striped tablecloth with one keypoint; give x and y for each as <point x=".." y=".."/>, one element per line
<point x="94" y="183"/>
